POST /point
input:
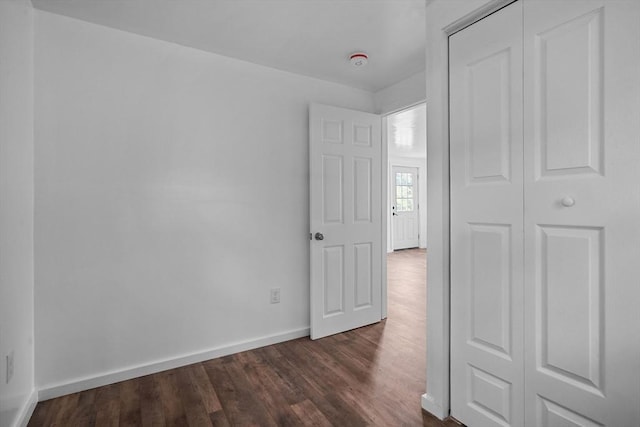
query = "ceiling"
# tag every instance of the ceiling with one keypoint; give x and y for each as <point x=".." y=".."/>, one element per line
<point x="407" y="133"/>
<point x="308" y="37"/>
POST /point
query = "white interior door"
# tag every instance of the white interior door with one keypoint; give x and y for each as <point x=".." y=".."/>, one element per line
<point x="487" y="372"/>
<point x="346" y="219"/>
<point x="405" y="208"/>
<point x="582" y="212"/>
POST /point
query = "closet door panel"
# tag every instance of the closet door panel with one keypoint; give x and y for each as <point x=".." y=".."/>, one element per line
<point x="486" y="221"/>
<point x="582" y="199"/>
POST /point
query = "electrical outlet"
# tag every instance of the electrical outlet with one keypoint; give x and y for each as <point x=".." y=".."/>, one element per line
<point x="275" y="295"/>
<point x="10" y="366"/>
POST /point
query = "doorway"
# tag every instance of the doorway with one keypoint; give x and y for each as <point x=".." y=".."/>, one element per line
<point x="406" y="133"/>
<point x="406" y="141"/>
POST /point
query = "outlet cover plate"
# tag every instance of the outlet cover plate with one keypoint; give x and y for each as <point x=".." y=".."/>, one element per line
<point x="275" y="295"/>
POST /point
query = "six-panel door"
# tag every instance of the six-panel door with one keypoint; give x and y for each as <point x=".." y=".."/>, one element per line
<point x="345" y="153"/>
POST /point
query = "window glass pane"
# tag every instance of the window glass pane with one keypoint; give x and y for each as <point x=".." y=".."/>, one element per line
<point x="404" y="205"/>
<point x="409" y="205"/>
<point x="410" y="178"/>
<point x="404" y="179"/>
<point x="404" y="192"/>
<point x="398" y="178"/>
<point x="409" y="192"/>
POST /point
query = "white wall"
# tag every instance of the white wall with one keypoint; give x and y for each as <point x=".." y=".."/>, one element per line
<point x="171" y="195"/>
<point x="407" y="92"/>
<point x="17" y="398"/>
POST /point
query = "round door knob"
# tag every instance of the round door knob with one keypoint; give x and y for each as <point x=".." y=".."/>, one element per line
<point x="319" y="236"/>
<point x="567" y="202"/>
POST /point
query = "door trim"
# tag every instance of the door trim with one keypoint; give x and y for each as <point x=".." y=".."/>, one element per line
<point x="443" y="19"/>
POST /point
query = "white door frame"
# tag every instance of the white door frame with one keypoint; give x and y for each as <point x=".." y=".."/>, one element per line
<point x="444" y="17"/>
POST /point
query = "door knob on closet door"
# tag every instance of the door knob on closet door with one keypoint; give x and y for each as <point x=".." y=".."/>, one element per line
<point x="567" y="202"/>
<point x="319" y="236"/>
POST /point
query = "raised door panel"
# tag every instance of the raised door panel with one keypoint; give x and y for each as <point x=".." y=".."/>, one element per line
<point x="569" y="305"/>
<point x="568" y="82"/>
<point x="362" y="135"/>
<point x="332" y="131"/>
<point x="487" y="128"/>
<point x="490" y="273"/>
<point x="362" y="187"/>
<point x="410" y="227"/>
<point x="363" y="275"/>
<point x="490" y="396"/>
<point x="550" y="414"/>
<point x="332" y="189"/>
<point x="333" y="280"/>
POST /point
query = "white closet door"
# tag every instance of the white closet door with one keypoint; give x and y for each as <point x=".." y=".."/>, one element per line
<point x="486" y="221"/>
<point x="582" y="233"/>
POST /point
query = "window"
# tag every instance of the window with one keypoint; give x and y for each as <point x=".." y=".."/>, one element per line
<point x="404" y="192"/>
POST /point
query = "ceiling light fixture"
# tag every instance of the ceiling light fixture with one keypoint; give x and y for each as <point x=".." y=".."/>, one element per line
<point x="359" y="59"/>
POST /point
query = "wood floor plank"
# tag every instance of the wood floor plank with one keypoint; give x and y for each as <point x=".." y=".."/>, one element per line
<point x="334" y="409"/>
<point x="236" y="395"/>
<point x="207" y="392"/>
<point x="368" y="376"/>
<point x="85" y="413"/>
<point x="151" y="409"/>
<point x="108" y="406"/>
<point x="192" y="402"/>
<point x="170" y="396"/>
<point x="130" y="415"/>
<point x="310" y="414"/>
<point x="43" y="413"/>
<point x="269" y="393"/>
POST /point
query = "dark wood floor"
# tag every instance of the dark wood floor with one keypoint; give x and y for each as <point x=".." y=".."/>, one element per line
<point x="369" y="376"/>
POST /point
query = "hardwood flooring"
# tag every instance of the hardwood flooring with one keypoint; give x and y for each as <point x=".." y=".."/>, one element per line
<point x="369" y="376"/>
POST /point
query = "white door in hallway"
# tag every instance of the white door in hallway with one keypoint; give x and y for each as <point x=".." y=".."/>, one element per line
<point x="405" y="208"/>
<point x="545" y="201"/>
<point x="345" y="152"/>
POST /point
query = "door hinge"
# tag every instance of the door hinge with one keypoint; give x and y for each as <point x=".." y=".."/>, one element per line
<point x="310" y="236"/>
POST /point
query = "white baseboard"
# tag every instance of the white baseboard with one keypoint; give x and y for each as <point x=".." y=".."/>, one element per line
<point x="81" y="384"/>
<point x="27" y="410"/>
<point x="430" y="405"/>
